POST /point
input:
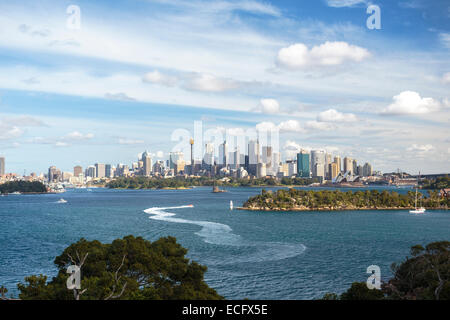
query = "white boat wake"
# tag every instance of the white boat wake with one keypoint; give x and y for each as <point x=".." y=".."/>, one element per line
<point x="222" y="234"/>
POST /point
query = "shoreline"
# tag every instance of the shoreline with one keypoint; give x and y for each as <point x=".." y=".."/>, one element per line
<point x="331" y="209"/>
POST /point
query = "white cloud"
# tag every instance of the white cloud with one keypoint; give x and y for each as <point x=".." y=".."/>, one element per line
<point x="209" y="83"/>
<point x="159" y="154"/>
<point x="333" y="115"/>
<point x="269" y="106"/>
<point x="420" y="148"/>
<point x="445" y="39"/>
<point x="75" y="135"/>
<point x="410" y="102"/>
<point x="321" y="126"/>
<point x="61" y="144"/>
<point x="285" y="126"/>
<point x="290" y="126"/>
<point x="124" y="141"/>
<point x="121" y="96"/>
<point x="266" y="126"/>
<point x="344" y="3"/>
<point x="298" y="56"/>
<point x="157" y="77"/>
<point x="446" y="78"/>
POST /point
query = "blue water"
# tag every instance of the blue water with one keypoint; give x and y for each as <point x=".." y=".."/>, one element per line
<point x="270" y="255"/>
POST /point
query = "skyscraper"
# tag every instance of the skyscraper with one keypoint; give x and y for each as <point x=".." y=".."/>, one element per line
<point x="303" y="170"/>
<point x="267" y="157"/>
<point x="77" y="170"/>
<point x="108" y="171"/>
<point x="253" y="157"/>
<point x="338" y="162"/>
<point x="367" y="170"/>
<point x="2" y="166"/>
<point x="100" y="170"/>
<point x="174" y="157"/>
<point x="318" y="163"/>
<point x="333" y="170"/>
<point x="223" y="154"/>
<point x="348" y="165"/>
<point x="147" y="164"/>
<point x="328" y="160"/>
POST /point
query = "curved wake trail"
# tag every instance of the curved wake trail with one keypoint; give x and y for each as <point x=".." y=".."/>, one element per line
<point x="221" y="234"/>
<point x="211" y="232"/>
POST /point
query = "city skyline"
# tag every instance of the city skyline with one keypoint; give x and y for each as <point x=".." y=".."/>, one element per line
<point x="313" y="70"/>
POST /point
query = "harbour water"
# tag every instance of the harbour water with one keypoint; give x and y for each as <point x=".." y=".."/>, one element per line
<point x="256" y="255"/>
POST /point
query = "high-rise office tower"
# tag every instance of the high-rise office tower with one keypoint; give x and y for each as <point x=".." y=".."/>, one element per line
<point x="303" y="170"/>
<point x="175" y="157"/>
<point x="91" y="171"/>
<point x="108" y="171"/>
<point x="100" y="170"/>
<point x="147" y="164"/>
<point x="236" y="159"/>
<point x="253" y="157"/>
<point x="348" y="165"/>
<point x="292" y="167"/>
<point x="223" y="154"/>
<point x="367" y="170"/>
<point x="2" y="166"/>
<point x="338" y="161"/>
<point x="77" y="170"/>
<point x="328" y="160"/>
<point x="355" y="166"/>
<point x="318" y="163"/>
<point x="267" y="157"/>
<point x="208" y="157"/>
<point x="333" y="170"/>
<point x="54" y="174"/>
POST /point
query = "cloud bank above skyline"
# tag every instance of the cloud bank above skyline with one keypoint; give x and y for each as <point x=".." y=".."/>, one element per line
<point x="311" y="69"/>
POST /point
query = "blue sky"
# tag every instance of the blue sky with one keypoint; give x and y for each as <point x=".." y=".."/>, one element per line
<point x="138" y="70"/>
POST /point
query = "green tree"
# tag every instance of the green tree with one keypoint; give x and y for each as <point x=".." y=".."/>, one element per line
<point x="128" y="268"/>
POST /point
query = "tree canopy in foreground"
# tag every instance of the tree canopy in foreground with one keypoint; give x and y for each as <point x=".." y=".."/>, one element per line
<point x="128" y="268"/>
<point x="423" y="276"/>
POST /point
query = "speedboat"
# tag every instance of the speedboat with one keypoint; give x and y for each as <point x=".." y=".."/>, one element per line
<point x="62" y="201"/>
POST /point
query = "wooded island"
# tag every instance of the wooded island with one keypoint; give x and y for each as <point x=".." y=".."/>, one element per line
<point x="306" y="200"/>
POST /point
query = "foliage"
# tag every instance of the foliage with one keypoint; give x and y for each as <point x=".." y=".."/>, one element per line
<point x="286" y="199"/>
<point x="22" y="186"/>
<point x="360" y="291"/>
<point x="150" y="270"/>
<point x="182" y="182"/>
<point x="423" y="276"/>
<point x="438" y="183"/>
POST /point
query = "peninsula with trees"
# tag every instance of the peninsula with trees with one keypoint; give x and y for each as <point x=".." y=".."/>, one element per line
<point x="333" y="200"/>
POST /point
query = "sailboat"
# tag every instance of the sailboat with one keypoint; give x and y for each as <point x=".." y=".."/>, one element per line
<point x="231" y="204"/>
<point x="417" y="210"/>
